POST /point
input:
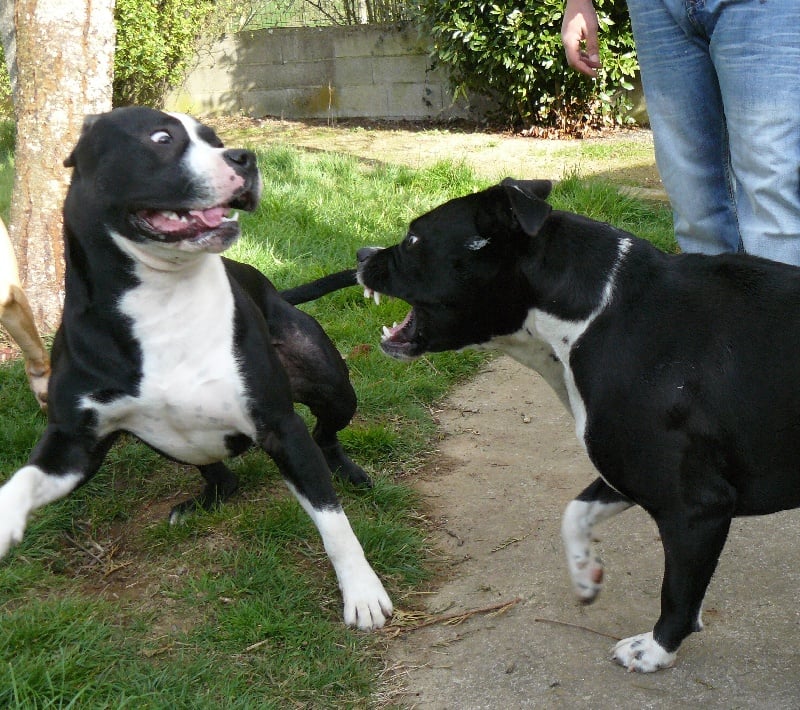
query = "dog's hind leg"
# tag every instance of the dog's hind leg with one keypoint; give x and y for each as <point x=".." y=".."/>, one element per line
<point x="595" y="504"/>
<point x="333" y="414"/>
<point x="319" y="378"/>
<point x="221" y="484"/>
<point x="17" y="317"/>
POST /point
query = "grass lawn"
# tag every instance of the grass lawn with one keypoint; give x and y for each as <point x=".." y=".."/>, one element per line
<point x="105" y="605"/>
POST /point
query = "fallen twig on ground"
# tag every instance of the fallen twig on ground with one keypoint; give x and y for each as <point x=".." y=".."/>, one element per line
<point x="576" y="626"/>
<point x="413" y="620"/>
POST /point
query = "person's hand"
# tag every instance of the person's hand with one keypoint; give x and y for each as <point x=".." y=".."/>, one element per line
<point x="579" y="36"/>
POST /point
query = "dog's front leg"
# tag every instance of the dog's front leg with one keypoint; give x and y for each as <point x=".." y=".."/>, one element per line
<point x="366" y="603"/>
<point x="692" y="545"/>
<point x="59" y="464"/>
<point x="595" y="504"/>
<point x="28" y="489"/>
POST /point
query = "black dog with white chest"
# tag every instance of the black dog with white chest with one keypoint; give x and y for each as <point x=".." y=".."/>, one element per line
<point x="196" y="355"/>
<point x="682" y="371"/>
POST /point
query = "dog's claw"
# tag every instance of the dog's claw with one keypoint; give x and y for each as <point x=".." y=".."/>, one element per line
<point x="369" y="607"/>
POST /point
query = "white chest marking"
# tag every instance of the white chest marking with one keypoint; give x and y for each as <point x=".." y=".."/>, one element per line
<point x="191" y="395"/>
<point x="560" y="336"/>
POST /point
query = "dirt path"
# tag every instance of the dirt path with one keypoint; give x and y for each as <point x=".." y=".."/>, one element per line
<point x="507" y="465"/>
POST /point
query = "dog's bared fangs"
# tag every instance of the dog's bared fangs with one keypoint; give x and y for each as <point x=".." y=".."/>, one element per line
<point x="397" y="341"/>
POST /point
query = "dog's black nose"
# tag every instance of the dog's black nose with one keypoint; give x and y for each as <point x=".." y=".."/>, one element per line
<point x="365" y="253"/>
<point x="242" y="159"/>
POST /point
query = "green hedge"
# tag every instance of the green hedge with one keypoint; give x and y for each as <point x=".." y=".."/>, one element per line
<point x="155" y="43"/>
<point x="510" y="50"/>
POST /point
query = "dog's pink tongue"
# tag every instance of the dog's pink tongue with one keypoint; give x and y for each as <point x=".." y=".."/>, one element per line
<point x="212" y="217"/>
<point x="164" y="222"/>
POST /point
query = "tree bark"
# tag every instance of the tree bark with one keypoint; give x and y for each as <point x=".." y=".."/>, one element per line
<point x="61" y="70"/>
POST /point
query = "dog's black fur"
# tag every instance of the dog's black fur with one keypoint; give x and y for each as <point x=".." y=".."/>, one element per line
<point x="682" y="371"/>
<point x="197" y="355"/>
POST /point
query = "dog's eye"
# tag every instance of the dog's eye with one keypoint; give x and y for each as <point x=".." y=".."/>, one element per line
<point x="161" y="137"/>
<point x="412" y="240"/>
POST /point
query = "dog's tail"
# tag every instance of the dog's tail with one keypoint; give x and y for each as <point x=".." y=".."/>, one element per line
<point x="320" y="287"/>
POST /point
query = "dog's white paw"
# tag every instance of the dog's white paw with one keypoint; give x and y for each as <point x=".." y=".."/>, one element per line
<point x="584" y="564"/>
<point x="366" y="603"/>
<point x="11" y="532"/>
<point x="643" y="654"/>
<point x="577" y="525"/>
<point x="586" y="572"/>
<point x="13" y="518"/>
<point x="28" y="489"/>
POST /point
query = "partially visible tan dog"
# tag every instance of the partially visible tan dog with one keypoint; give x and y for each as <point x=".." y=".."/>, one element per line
<point x="17" y="318"/>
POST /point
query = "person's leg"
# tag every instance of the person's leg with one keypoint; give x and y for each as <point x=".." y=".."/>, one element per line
<point x="755" y="47"/>
<point x="685" y="109"/>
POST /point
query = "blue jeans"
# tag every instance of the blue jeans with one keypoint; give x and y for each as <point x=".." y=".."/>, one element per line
<point x="722" y="84"/>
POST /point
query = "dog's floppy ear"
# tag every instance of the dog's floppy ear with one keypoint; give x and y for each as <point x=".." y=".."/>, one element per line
<point x="527" y="201"/>
<point x="88" y="122"/>
<point x="535" y="188"/>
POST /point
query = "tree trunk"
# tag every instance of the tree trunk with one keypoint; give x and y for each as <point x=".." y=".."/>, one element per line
<point x="62" y="70"/>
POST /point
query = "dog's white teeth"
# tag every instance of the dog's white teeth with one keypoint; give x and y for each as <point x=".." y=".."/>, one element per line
<point x="374" y="295"/>
<point x="394" y="325"/>
<point x="387" y="333"/>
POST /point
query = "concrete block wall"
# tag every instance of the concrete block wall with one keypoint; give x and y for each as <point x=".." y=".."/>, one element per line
<point x="367" y="71"/>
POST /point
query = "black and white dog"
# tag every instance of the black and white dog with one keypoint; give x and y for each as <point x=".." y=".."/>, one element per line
<point x="682" y="372"/>
<point x="196" y="355"/>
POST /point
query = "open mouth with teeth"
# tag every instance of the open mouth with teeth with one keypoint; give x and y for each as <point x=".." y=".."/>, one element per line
<point x="402" y="340"/>
<point x="209" y="228"/>
<point x="179" y="225"/>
